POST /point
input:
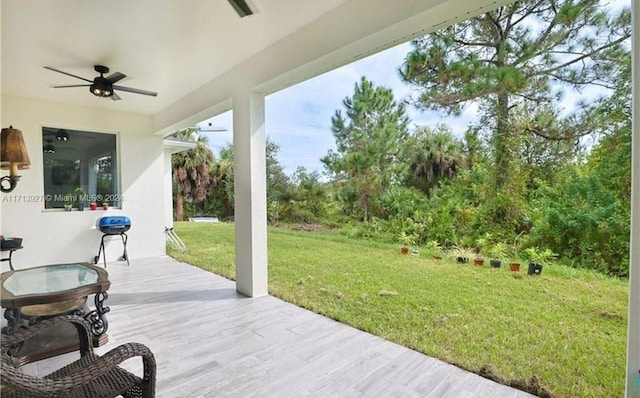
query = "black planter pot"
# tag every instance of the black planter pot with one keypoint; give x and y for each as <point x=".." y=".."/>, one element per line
<point x="534" y="269"/>
<point x="462" y="260"/>
<point x="495" y="263"/>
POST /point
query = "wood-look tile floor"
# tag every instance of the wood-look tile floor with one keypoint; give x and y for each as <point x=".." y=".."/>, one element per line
<point x="210" y="341"/>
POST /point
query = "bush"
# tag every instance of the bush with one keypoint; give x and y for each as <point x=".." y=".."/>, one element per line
<point x="586" y="224"/>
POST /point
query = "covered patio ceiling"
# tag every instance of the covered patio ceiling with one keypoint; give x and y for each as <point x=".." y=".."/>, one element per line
<point x="195" y="53"/>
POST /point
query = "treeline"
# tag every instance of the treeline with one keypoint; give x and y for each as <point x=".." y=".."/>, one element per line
<point x="528" y="176"/>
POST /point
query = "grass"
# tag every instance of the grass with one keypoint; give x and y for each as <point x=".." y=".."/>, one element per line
<point x="566" y="326"/>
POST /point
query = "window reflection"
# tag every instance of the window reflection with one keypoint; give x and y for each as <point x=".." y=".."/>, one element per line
<point x="80" y="167"/>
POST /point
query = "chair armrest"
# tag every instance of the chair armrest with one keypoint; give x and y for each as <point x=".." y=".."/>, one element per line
<point x="107" y="362"/>
<point x="99" y="367"/>
<point x="24" y="334"/>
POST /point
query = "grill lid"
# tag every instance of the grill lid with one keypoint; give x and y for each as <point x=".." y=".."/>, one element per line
<point x="114" y="221"/>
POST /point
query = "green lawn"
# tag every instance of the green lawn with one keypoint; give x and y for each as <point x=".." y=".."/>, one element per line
<point x="566" y="326"/>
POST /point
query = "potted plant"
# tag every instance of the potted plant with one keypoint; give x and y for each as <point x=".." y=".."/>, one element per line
<point x="514" y="265"/>
<point x="68" y="201"/>
<point x="407" y="240"/>
<point x="537" y="258"/>
<point x="497" y="252"/>
<point x="483" y="246"/>
<point x="461" y="254"/>
<point x="79" y="196"/>
<point x="433" y="247"/>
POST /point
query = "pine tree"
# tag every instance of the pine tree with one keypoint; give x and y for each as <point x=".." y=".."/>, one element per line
<point x="516" y="60"/>
<point x="368" y="139"/>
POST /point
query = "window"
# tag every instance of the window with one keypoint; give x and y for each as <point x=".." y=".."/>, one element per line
<point x="79" y="167"/>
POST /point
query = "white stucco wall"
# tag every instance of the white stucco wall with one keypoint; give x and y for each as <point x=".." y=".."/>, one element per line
<point x="56" y="236"/>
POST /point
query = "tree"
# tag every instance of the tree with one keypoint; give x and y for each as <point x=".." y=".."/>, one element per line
<point x="277" y="180"/>
<point x="222" y="195"/>
<point x="304" y="200"/>
<point x="517" y="59"/>
<point x="368" y="141"/>
<point x="191" y="171"/>
<point x="611" y="157"/>
<point x="432" y="155"/>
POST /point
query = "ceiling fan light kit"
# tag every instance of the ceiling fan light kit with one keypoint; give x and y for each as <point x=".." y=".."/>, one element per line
<point x="48" y="147"/>
<point x="62" y="135"/>
<point x="102" y="86"/>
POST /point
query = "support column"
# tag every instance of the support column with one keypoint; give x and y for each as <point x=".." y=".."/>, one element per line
<point x="250" y="190"/>
<point x="633" y="332"/>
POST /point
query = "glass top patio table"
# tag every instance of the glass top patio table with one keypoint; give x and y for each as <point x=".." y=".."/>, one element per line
<point x="51" y="283"/>
<point x="53" y="290"/>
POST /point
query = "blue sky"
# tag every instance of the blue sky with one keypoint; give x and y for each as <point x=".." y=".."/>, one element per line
<point x="298" y="118"/>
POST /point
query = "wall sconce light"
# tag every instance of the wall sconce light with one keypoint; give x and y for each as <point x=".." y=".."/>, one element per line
<point x="13" y="157"/>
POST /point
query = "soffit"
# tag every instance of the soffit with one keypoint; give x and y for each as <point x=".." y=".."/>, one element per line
<point x="169" y="46"/>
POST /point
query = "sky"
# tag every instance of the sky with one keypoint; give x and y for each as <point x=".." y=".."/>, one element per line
<point x="298" y="118"/>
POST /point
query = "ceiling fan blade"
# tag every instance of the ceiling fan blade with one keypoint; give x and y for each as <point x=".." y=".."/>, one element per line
<point x="115" y="97"/>
<point x="116" y="77"/>
<point x="68" y="74"/>
<point x="72" y="85"/>
<point x="211" y="129"/>
<point x="135" y="90"/>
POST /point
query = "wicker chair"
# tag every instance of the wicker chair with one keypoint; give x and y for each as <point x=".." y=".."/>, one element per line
<point x="91" y="376"/>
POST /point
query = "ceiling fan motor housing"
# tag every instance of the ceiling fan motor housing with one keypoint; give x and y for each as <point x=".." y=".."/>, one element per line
<point x="101" y="87"/>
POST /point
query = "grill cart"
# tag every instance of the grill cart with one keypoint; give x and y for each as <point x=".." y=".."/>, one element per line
<point x="113" y="226"/>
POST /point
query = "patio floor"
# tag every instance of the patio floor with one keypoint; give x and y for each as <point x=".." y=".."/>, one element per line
<point x="210" y="341"/>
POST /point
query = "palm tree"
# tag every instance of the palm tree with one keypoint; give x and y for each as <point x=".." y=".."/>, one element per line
<point x="192" y="170"/>
<point x="433" y="156"/>
<point x="222" y="194"/>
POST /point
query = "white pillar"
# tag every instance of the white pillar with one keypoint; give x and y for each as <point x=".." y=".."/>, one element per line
<point x="633" y="332"/>
<point x="250" y="190"/>
<point x="168" y="189"/>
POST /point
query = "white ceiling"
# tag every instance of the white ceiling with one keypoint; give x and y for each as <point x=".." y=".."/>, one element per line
<point x="197" y="53"/>
<point x="169" y="46"/>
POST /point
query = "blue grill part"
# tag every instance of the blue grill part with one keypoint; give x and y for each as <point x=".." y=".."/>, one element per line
<point x="114" y="225"/>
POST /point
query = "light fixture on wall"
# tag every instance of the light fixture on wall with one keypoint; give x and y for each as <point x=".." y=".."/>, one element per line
<point x="13" y="157"/>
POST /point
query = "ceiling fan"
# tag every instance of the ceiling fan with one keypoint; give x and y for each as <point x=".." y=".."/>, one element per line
<point x="102" y="86"/>
<point x="209" y="128"/>
<point x="58" y="134"/>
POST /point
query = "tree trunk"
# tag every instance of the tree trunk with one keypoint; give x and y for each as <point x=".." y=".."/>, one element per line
<point x="364" y="200"/>
<point x="502" y="142"/>
<point x="179" y="206"/>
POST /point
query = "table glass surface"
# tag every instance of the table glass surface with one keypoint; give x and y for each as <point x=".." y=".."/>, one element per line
<point x="54" y="278"/>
